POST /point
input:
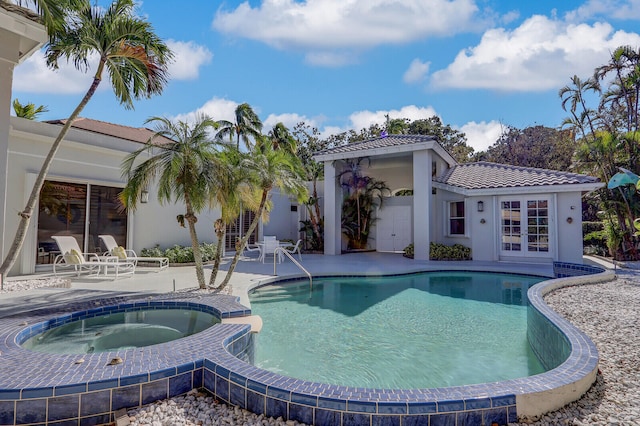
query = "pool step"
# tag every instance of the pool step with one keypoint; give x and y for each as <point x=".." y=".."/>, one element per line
<point x="253" y="320"/>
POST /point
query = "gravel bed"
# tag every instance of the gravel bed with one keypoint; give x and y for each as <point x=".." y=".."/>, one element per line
<point x="11" y="285"/>
<point x="609" y="313"/>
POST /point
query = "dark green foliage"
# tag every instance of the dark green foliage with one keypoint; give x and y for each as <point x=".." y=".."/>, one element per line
<point x="537" y="146"/>
<point x="439" y="251"/>
<point x="180" y="254"/>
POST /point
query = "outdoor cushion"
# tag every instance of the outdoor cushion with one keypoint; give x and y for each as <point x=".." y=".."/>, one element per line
<point x="73" y="257"/>
<point x="120" y="252"/>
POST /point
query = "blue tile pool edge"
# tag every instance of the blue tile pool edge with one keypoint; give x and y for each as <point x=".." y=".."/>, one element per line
<point x="215" y="367"/>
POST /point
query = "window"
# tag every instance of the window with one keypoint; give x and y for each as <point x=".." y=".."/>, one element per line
<point x="456" y="218"/>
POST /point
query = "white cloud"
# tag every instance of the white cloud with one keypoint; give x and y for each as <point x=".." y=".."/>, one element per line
<point x="188" y="58"/>
<point x="216" y="108"/>
<point x="288" y="119"/>
<point x="319" y="26"/>
<point x="364" y="119"/>
<point x="539" y="55"/>
<point x="33" y="76"/>
<point x="482" y="135"/>
<point x="618" y="9"/>
<point x="417" y="71"/>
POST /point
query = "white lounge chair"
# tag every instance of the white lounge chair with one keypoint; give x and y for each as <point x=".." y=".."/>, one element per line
<point x="123" y="254"/>
<point x="71" y="256"/>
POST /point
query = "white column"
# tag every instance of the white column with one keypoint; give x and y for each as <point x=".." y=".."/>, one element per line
<point x="6" y="79"/>
<point x="332" y="211"/>
<point x="421" y="204"/>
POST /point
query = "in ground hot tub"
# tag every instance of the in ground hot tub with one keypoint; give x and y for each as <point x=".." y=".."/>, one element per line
<point x="135" y="327"/>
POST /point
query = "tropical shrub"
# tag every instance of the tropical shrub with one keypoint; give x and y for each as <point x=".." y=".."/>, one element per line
<point x="180" y="254"/>
<point x="363" y="195"/>
<point x="439" y="251"/>
<point x="594" y="238"/>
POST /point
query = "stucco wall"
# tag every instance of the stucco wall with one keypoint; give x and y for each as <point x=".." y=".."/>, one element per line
<point x="569" y="206"/>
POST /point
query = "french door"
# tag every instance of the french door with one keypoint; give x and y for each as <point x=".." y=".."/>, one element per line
<point x="81" y="210"/>
<point x="525" y="227"/>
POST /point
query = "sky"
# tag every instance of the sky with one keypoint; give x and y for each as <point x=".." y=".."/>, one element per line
<point x="344" y="64"/>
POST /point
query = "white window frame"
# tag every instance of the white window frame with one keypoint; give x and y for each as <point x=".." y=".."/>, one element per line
<point x="448" y="218"/>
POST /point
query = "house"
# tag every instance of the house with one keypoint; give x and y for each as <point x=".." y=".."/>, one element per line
<point x="502" y="212"/>
<point x="80" y="195"/>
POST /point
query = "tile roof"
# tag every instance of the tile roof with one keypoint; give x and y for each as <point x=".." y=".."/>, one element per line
<point x="134" y="134"/>
<point x="379" y="142"/>
<point x="485" y="175"/>
<point x="22" y="11"/>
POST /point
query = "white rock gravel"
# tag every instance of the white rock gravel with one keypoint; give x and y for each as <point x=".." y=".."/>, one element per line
<point x="609" y="313"/>
<point x="10" y="285"/>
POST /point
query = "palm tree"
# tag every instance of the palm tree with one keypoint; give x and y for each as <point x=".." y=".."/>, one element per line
<point x="231" y="196"/>
<point x="29" y="110"/>
<point x="134" y="56"/>
<point x="268" y="168"/>
<point x="246" y="127"/>
<point x="281" y="138"/>
<point x="184" y="162"/>
<point x="574" y="96"/>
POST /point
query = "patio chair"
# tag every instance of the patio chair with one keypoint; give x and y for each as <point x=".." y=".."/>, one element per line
<point x="71" y="256"/>
<point x="269" y="246"/>
<point x="295" y="248"/>
<point x="114" y="249"/>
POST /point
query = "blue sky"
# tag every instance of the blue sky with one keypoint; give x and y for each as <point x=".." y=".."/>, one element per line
<point x="343" y="64"/>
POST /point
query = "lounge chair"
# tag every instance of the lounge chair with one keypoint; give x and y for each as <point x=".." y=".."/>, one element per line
<point x="71" y="256"/>
<point x="114" y="249"/>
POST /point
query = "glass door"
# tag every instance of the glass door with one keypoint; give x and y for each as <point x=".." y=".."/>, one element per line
<point x="525" y="227"/>
<point x="62" y="210"/>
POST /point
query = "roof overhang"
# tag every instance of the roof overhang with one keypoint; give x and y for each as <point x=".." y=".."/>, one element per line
<point x="389" y="151"/>
<point x="20" y="36"/>
<point x="576" y="187"/>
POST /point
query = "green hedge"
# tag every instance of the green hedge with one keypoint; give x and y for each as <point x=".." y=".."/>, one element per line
<point x="439" y="251"/>
<point x="180" y="254"/>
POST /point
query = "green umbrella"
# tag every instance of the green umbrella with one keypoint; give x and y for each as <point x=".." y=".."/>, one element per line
<point x="625" y="177"/>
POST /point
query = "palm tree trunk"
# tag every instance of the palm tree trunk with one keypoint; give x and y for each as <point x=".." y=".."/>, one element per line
<point x="195" y="245"/>
<point x="25" y="215"/>
<point x="244" y="240"/>
<point x="218" y="256"/>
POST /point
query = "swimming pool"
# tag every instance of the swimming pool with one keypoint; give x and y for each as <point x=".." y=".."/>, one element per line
<point x="57" y="389"/>
<point x="426" y="330"/>
<point x="113" y="331"/>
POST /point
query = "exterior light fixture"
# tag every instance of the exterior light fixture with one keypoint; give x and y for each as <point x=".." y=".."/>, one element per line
<point x="144" y="196"/>
<point x="480" y="206"/>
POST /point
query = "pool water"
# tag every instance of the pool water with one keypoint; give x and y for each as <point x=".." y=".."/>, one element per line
<point x="412" y="331"/>
<point x="122" y="330"/>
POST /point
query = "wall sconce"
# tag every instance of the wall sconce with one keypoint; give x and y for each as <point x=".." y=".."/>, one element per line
<point x="144" y="196"/>
<point x="480" y="206"/>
